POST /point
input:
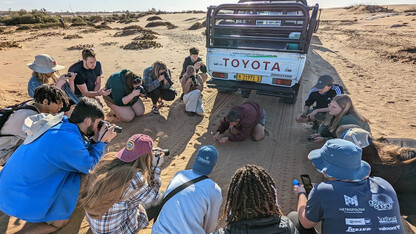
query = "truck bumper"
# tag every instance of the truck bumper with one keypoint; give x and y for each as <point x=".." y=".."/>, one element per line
<point x="261" y="89"/>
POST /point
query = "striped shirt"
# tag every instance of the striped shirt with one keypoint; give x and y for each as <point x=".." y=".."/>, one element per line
<point x="128" y="215"/>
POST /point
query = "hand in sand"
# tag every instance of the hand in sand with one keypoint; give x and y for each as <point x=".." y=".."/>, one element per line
<point x="223" y="140"/>
<point x="216" y="136"/>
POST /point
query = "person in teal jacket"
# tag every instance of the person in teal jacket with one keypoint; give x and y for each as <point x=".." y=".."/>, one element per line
<point x="341" y="112"/>
<point x="41" y="180"/>
<point x="124" y="99"/>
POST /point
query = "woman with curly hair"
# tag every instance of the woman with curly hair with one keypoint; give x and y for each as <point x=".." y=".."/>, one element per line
<point x="341" y="112"/>
<point x="251" y="205"/>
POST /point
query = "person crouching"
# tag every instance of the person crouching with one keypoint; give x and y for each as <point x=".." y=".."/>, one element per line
<point x="192" y="86"/>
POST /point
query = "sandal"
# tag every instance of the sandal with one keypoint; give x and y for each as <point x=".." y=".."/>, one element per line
<point x="160" y="104"/>
<point x="155" y="110"/>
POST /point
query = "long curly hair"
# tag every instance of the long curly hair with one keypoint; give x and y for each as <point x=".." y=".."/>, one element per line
<point x="345" y="102"/>
<point x="251" y="194"/>
<point x="45" y="78"/>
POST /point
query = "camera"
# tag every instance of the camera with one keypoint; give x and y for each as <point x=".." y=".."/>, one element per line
<point x="117" y="129"/>
<point x="141" y="89"/>
<point x="167" y="77"/>
<point x="194" y="81"/>
<point x="157" y="152"/>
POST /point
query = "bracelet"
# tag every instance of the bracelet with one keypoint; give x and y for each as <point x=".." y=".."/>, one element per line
<point x="301" y="193"/>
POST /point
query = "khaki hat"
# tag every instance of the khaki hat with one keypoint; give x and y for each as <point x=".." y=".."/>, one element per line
<point x="358" y="136"/>
<point x="44" y="64"/>
<point x="36" y="125"/>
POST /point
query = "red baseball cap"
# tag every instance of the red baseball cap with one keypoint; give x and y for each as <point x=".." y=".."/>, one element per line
<point x="137" y="145"/>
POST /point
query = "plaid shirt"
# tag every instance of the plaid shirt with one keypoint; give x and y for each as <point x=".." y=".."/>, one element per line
<point x="127" y="215"/>
<point x="151" y="84"/>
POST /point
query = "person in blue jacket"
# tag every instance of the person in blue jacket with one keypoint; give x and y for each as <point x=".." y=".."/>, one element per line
<point x="41" y="180"/>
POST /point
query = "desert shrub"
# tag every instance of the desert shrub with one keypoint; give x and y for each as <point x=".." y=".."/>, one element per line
<point x="109" y="43"/>
<point x="94" y="18"/>
<point x="145" y="36"/>
<point x="89" y="30"/>
<point x="151" y="18"/>
<point x="9" y="44"/>
<point x="132" y="30"/>
<point x="369" y="9"/>
<point x="141" y="45"/>
<point x="81" y="47"/>
<point x="23" y="27"/>
<point x="197" y="25"/>
<point x="103" y="25"/>
<point x="25" y="17"/>
<point x="73" y="36"/>
<point x="169" y="25"/>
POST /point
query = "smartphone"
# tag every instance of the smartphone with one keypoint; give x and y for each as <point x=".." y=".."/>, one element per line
<point x="307" y="184"/>
<point x="311" y="139"/>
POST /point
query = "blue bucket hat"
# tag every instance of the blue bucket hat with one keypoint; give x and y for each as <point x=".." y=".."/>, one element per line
<point x="340" y="159"/>
<point x="205" y="160"/>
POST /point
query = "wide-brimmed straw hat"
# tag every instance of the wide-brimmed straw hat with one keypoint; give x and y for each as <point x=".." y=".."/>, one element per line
<point x="44" y="64"/>
<point x="340" y="159"/>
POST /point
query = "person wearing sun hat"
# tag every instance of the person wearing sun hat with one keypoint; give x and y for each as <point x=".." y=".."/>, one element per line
<point x="46" y="71"/>
<point x="194" y="209"/>
<point x="350" y="201"/>
<point x="114" y="193"/>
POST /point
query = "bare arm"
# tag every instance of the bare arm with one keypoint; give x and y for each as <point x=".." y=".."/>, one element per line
<point x="302" y="199"/>
<point x="97" y="83"/>
<point x="92" y="94"/>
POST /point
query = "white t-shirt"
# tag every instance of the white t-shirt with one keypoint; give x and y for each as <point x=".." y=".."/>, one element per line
<point x="193" y="210"/>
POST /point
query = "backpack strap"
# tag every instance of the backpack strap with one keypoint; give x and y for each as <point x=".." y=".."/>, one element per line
<point x="181" y="187"/>
<point x="22" y="106"/>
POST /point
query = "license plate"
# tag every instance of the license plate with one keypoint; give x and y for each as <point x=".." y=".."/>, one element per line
<point x="246" y="77"/>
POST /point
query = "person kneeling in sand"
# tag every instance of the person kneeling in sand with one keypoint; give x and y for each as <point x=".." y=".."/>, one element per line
<point x="194" y="60"/>
<point x="124" y="99"/>
<point x="242" y="121"/>
<point x="192" y="86"/>
<point x="43" y="176"/>
<point x="114" y="192"/>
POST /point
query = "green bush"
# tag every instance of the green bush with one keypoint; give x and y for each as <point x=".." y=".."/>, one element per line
<point x="32" y="17"/>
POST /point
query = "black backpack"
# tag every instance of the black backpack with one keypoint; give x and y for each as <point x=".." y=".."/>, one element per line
<point x="7" y="111"/>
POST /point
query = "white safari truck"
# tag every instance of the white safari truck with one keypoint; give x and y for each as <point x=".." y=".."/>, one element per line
<point x="259" y="45"/>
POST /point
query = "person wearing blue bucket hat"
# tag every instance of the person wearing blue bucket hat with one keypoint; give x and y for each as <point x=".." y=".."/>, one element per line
<point x="195" y="208"/>
<point x="351" y="200"/>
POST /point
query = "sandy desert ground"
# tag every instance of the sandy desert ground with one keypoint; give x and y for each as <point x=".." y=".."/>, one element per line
<point x="373" y="58"/>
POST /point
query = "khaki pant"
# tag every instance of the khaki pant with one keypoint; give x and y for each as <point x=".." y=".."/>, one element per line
<point x="193" y="102"/>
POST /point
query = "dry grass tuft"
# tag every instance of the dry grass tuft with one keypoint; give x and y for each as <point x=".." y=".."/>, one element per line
<point x="72" y="36"/>
<point x="145" y="36"/>
<point x="169" y="25"/>
<point x="132" y="30"/>
<point x="152" y="18"/>
<point x="111" y="43"/>
<point x="141" y="45"/>
<point x="197" y="26"/>
<point x="9" y="44"/>
<point x="81" y="47"/>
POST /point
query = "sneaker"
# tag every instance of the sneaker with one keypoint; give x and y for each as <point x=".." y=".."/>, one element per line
<point x="155" y="110"/>
<point x="190" y="113"/>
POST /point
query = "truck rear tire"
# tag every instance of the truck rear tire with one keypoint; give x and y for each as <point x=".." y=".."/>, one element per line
<point x="226" y="90"/>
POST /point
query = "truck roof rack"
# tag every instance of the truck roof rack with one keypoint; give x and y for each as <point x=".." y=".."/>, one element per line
<point x="284" y="25"/>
